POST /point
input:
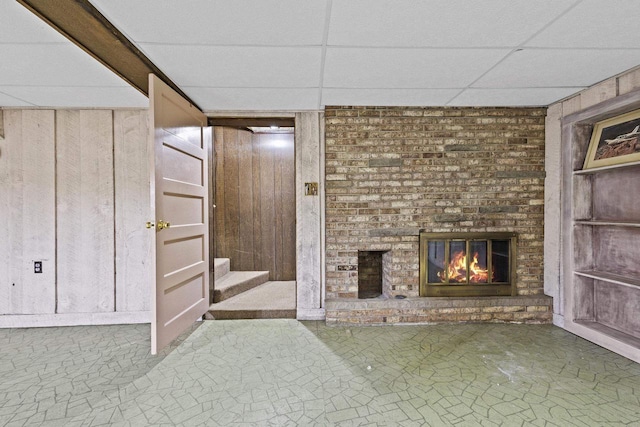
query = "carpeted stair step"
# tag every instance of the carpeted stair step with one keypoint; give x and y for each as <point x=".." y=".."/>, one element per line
<point x="236" y="282"/>
<point x="271" y="300"/>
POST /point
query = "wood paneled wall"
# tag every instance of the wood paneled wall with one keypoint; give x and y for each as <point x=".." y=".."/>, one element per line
<point x="27" y="212"/>
<point x="255" y="199"/>
<point x="74" y="193"/>
<point x="85" y="211"/>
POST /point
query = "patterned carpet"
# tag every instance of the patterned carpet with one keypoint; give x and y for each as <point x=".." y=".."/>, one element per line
<point x="285" y="372"/>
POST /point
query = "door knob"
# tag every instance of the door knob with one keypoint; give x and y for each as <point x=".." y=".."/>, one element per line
<point x="162" y="225"/>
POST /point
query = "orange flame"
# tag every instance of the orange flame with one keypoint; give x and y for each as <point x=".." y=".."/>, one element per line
<point x="457" y="270"/>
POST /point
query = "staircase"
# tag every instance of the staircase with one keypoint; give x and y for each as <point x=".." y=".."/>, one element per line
<point x="249" y="295"/>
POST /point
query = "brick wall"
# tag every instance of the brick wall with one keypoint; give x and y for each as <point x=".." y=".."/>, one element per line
<point x="393" y="171"/>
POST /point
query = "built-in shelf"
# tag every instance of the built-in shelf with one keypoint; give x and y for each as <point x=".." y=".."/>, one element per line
<point x="609" y="278"/>
<point x="605" y="168"/>
<point x="610" y="223"/>
<point x="601" y="206"/>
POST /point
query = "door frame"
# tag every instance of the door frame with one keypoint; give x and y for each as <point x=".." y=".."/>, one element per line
<point x="310" y="226"/>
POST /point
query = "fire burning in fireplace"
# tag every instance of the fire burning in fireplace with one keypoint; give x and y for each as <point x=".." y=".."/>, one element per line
<point x="457" y="270"/>
<point x="467" y="264"/>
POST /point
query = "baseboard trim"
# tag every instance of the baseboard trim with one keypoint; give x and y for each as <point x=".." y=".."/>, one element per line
<point x="73" y="319"/>
<point x="310" y="314"/>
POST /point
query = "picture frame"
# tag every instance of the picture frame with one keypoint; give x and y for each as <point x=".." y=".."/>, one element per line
<point x="614" y="141"/>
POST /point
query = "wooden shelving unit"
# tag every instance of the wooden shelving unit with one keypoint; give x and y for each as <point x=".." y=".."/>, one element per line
<point x="606" y="243"/>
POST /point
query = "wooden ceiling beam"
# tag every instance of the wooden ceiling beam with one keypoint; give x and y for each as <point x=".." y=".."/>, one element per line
<point x="84" y="25"/>
<point x="246" y="122"/>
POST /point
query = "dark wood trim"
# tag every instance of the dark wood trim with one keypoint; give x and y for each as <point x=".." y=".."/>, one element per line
<point x="245" y="122"/>
<point x="84" y="25"/>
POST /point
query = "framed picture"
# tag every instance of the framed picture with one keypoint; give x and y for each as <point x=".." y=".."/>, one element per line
<point x="614" y="141"/>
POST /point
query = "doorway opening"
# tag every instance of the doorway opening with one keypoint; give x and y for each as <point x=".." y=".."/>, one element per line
<point x="253" y="219"/>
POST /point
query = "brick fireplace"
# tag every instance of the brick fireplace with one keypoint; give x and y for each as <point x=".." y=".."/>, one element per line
<point x="391" y="172"/>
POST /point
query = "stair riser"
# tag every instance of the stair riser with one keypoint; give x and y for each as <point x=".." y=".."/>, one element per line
<point x="250" y="314"/>
<point x="222" y="268"/>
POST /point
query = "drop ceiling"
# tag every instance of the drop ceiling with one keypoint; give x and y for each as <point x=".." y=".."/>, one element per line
<point x="294" y="55"/>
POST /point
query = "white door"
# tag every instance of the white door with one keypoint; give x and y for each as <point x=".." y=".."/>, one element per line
<point x="181" y="214"/>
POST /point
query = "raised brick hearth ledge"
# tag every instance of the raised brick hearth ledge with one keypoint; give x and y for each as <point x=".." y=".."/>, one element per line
<point x="518" y="309"/>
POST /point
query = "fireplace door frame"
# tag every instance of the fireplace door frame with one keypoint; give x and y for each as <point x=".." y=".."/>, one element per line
<point x="466" y="290"/>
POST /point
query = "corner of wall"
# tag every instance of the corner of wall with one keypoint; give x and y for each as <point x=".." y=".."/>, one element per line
<point x="552" y="206"/>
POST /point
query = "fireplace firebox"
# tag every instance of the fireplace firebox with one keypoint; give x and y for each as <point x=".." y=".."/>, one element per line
<point x="467" y="264"/>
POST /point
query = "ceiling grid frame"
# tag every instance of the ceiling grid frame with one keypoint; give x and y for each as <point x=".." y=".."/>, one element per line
<point x="396" y="47"/>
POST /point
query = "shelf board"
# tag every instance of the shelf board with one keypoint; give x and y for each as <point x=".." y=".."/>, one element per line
<point x="608" y="223"/>
<point x="609" y="278"/>
<point x="610" y="332"/>
<point x="605" y="168"/>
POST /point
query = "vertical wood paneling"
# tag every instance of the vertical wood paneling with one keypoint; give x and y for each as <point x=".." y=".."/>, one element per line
<point x="220" y="202"/>
<point x="133" y="242"/>
<point x="27" y="212"/>
<point x="231" y="195"/>
<point x="259" y="194"/>
<point x="277" y="148"/>
<point x="288" y="185"/>
<point x="257" y="208"/>
<point x="244" y="256"/>
<point x="267" y="209"/>
<point x="85" y="209"/>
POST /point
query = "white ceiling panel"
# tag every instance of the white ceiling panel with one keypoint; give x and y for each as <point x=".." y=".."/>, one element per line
<point x="511" y="97"/>
<point x="388" y="97"/>
<point x="235" y="99"/>
<point x="52" y="64"/>
<point x="558" y="68"/>
<point x="290" y="55"/>
<point x="225" y="66"/>
<point x="407" y="68"/>
<point x="19" y="25"/>
<point x="79" y="97"/>
<point x="591" y="24"/>
<point x="219" y="22"/>
<point x="440" y="23"/>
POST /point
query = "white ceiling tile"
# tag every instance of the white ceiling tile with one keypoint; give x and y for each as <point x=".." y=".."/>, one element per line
<point x="558" y="67"/>
<point x="434" y="23"/>
<point x="594" y="23"/>
<point x="55" y="65"/>
<point x="407" y="68"/>
<point x="219" y="99"/>
<point x="79" y="97"/>
<point x="512" y="97"/>
<point x="219" y="22"/>
<point x="388" y="97"/>
<point x="223" y="66"/>
<point x="20" y="25"/>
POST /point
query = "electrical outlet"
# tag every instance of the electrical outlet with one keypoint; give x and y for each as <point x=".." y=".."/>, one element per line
<point x="37" y="266"/>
